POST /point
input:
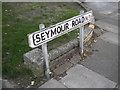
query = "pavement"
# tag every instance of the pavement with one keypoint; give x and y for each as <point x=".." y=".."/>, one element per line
<point x="99" y="70"/>
<point x="105" y="62"/>
<point x="80" y="77"/>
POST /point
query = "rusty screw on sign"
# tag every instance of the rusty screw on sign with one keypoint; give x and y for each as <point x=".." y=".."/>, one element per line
<point x="45" y="55"/>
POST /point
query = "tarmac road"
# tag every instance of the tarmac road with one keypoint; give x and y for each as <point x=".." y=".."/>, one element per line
<point x="105" y="61"/>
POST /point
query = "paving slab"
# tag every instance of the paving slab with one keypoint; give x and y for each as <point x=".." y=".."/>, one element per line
<point x="82" y="77"/>
<point x="107" y="24"/>
<point x="63" y="68"/>
<point x="75" y="59"/>
<point x="110" y="37"/>
<point x="52" y="83"/>
<point x="105" y="60"/>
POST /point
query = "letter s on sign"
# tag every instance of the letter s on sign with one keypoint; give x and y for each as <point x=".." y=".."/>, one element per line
<point x="36" y="38"/>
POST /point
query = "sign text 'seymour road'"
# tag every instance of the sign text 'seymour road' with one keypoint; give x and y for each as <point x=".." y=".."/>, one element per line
<point x="42" y="36"/>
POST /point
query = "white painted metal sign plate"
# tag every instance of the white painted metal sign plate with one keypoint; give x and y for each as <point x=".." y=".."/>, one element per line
<point x="47" y="34"/>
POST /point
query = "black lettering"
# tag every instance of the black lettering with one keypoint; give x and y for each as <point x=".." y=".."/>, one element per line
<point x="66" y="26"/>
<point x="63" y="27"/>
<point x="79" y="21"/>
<point x="36" y="38"/>
<point x="76" y="21"/>
<point x="82" y="20"/>
<point x="59" y="29"/>
<point x="42" y="36"/>
<point x="86" y="18"/>
<point x="53" y="32"/>
<point x="47" y="34"/>
<point x="73" y="23"/>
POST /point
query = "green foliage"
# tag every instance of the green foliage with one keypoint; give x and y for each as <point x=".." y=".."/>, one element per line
<point x="20" y="19"/>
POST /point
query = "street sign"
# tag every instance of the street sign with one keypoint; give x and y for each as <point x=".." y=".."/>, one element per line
<point x="47" y="34"/>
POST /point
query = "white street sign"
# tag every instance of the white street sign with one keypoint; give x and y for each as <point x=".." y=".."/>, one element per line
<point x="47" y="34"/>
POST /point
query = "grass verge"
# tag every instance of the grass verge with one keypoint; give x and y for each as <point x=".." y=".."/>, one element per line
<point x="20" y="19"/>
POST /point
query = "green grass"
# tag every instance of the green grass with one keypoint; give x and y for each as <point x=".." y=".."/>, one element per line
<point x="20" y="19"/>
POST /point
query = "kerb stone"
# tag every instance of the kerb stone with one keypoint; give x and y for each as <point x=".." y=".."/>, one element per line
<point x="34" y="60"/>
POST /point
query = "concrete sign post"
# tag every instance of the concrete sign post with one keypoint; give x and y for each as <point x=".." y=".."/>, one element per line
<point x="45" y="54"/>
<point x="81" y="35"/>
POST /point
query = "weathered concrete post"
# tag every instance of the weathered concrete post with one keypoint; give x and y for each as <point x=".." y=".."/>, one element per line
<point x="81" y="35"/>
<point x="45" y="55"/>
